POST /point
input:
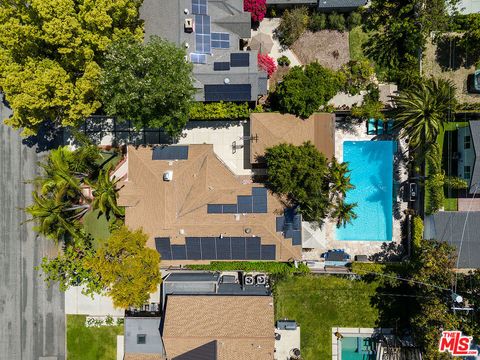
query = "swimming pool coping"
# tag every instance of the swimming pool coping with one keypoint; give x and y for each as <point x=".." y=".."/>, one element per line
<point x="353" y="332"/>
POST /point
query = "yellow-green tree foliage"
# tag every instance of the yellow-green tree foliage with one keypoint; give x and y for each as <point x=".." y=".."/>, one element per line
<point x="128" y="270"/>
<point x="51" y="52"/>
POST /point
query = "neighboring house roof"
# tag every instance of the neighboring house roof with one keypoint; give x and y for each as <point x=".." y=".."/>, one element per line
<point x="475" y="179"/>
<point x="339" y="4"/>
<point x="245" y="82"/>
<point x="448" y="226"/>
<point x="177" y="213"/>
<point x="219" y="327"/>
<point x="148" y="326"/>
<point x="270" y="129"/>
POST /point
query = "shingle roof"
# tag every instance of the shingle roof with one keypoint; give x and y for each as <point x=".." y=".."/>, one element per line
<point x="238" y="327"/>
<point x="328" y="4"/>
<point x="448" y="226"/>
<point x="270" y="129"/>
<point x="178" y="208"/>
<point x="475" y="180"/>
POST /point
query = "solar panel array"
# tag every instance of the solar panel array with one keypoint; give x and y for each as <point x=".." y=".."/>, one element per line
<point x="221" y="66"/>
<point x="240" y="59"/>
<point x="199" y="7"/>
<point x="172" y="152"/>
<point x="255" y="203"/>
<point x="220" y="40"/>
<point x="230" y="92"/>
<point x="202" y="34"/>
<point x="198" y="58"/>
<point x="215" y="248"/>
<point x="290" y="224"/>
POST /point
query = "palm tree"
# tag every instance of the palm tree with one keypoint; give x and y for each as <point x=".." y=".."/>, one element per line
<point x="422" y="110"/>
<point x="339" y="179"/>
<point x="105" y="194"/>
<point x="343" y="213"/>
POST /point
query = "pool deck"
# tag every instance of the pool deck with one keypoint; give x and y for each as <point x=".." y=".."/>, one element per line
<point x="352" y="332"/>
<point x="320" y="240"/>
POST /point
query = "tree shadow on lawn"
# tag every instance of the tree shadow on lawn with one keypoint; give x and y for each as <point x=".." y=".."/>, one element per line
<point x="450" y="55"/>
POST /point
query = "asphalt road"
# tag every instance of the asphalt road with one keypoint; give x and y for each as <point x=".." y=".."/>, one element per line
<point x="32" y="316"/>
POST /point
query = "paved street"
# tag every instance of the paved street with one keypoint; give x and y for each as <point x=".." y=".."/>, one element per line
<point x="32" y="320"/>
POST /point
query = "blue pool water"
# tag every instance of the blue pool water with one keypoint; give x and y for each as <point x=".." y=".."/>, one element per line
<point x="357" y="348"/>
<point x="371" y="166"/>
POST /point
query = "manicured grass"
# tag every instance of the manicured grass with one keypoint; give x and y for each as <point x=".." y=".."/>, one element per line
<point x="96" y="226"/>
<point x="450" y="204"/>
<point x="319" y="303"/>
<point x="356" y="39"/>
<point x="91" y="343"/>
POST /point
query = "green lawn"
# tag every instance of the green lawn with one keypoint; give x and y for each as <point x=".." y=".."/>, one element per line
<point x="91" y="343"/>
<point x="450" y="204"/>
<point x="96" y="226"/>
<point x="319" y="303"/>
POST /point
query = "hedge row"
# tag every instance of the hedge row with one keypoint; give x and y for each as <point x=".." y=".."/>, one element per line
<point x="417" y="232"/>
<point x="221" y="111"/>
<point x="270" y="267"/>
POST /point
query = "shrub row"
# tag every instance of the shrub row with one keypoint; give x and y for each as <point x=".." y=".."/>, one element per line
<point x="221" y="111"/>
<point x="270" y="267"/>
<point x="417" y="232"/>
<point x="321" y="21"/>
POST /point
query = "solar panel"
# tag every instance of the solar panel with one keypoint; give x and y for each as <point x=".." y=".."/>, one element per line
<point x="230" y="92"/>
<point x="170" y="153"/>
<point x="268" y="252"/>
<point x="280" y="222"/>
<point x="199" y="7"/>
<point x="259" y="191"/>
<point x="244" y="204"/>
<point x="230" y="209"/>
<point x="297" y="222"/>
<point x="223" y="248"/>
<point x="202" y="34"/>
<point x="162" y="244"/>
<point x="221" y="66"/>
<point x="253" y="248"/>
<point x="179" y="252"/>
<point x="238" y="248"/>
<point x="198" y="58"/>
<point x="220" y="40"/>
<point x="297" y="237"/>
<point x="208" y="248"/>
<point x="214" y="209"/>
<point x="259" y="203"/>
<point x="240" y="59"/>
<point x="193" y="248"/>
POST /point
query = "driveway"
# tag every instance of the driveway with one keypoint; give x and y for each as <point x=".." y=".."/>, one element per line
<point x="32" y="316"/>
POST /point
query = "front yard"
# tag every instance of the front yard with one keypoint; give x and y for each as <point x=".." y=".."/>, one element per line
<point x="91" y="343"/>
<point x="319" y="303"/>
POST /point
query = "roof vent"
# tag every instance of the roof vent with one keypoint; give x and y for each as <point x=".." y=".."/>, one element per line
<point x="185" y="11"/>
<point x="248" y="230"/>
<point x="186" y="45"/>
<point x="168" y="175"/>
<point x="261" y="279"/>
<point x="226" y="81"/>
<point x="249" y="280"/>
<point x="188" y="25"/>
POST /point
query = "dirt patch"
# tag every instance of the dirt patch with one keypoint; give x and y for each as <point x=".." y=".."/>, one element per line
<point x="329" y="48"/>
<point x="444" y="59"/>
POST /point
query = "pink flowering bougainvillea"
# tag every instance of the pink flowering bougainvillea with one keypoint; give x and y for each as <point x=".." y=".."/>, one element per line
<point x="266" y="63"/>
<point x="257" y="8"/>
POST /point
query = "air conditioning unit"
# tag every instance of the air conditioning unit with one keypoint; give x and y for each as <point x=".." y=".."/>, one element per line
<point x="188" y="25"/>
<point x="261" y="279"/>
<point x="249" y="280"/>
<point x="168" y="175"/>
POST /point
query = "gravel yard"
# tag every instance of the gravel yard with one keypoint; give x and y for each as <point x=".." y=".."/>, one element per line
<point x="329" y="48"/>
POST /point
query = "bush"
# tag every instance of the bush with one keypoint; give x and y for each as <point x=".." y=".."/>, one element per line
<point x="283" y="61"/>
<point x="354" y="20"/>
<point x="304" y="90"/>
<point x="357" y="75"/>
<point x="434" y="186"/>
<point x="336" y="22"/>
<point x="257" y="9"/>
<point x="292" y="25"/>
<point x="270" y="267"/>
<point x="417" y="233"/>
<point x="267" y="64"/>
<point x="219" y="111"/>
<point x="317" y="22"/>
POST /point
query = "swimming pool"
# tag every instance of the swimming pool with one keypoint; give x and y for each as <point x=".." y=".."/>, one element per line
<point x="371" y="166"/>
<point x="357" y="348"/>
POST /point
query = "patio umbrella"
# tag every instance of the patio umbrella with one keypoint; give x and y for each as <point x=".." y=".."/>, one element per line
<point x="262" y="42"/>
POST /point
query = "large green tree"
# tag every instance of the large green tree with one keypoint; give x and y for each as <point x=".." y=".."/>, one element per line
<point x="306" y="178"/>
<point x="51" y="52"/>
<point x="150" y="84"/>
<point x="128" y="270"/>
<point x="422" y="109"/>
<point x="304" y="90"/>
